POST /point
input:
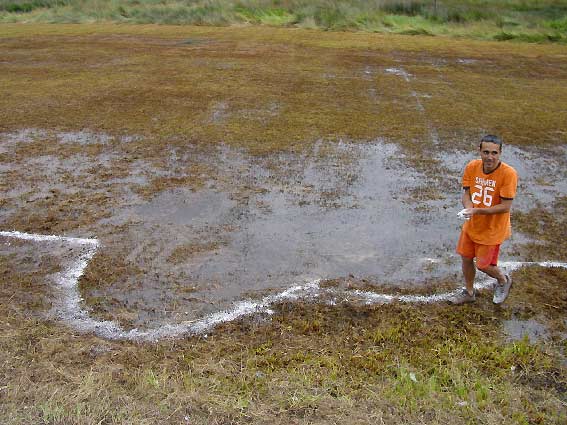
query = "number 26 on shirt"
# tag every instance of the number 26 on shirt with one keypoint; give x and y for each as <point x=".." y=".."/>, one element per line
<point x="483" y="195"/>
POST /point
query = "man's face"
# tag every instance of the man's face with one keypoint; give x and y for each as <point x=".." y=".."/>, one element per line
<point x="490" y="155"/>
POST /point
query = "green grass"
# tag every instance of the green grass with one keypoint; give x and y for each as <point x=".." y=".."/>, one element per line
<point x="522" y="20"/>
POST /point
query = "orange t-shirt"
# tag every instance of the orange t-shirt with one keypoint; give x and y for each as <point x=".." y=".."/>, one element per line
<point x="487" y="190"/>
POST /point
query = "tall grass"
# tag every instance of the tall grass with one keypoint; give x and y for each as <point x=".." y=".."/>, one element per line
<point x="535" y="20"/>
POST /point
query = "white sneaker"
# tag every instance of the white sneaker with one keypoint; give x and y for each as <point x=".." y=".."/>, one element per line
<point x="462" y="297"/>
<point x="501" y="291"/>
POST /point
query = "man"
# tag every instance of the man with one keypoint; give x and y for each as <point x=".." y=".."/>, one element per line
<point x="489" y="189"/>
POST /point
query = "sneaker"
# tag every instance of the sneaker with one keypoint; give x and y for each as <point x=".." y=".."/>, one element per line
<point x="462" y="297"/>
<point x="501" y="291"/>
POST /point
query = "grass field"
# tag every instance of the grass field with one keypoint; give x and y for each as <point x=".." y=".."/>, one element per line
<point x="102" y="125"/>
<point x="539" y="21"/>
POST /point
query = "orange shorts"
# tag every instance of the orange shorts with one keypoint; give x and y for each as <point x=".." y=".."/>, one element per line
<point x="485" y="254"/>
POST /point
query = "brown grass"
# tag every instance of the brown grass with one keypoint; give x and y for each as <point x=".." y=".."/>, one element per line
<point x="145" y="80"/>
<point x="310" y="364"/>
<point x="283" y="90"/>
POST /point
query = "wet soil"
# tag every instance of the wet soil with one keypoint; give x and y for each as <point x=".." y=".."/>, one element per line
<point x="516" y="329"/>
<point x="192" y="229"/>
<point x="211" y="175"/>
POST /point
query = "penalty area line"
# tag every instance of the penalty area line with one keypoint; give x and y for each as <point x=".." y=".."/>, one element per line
<point x="49" y="238"/>
<point x="67" y="305"/>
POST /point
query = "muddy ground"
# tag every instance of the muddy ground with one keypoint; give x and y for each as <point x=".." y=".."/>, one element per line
<point x="216" y="165"/>
<point x="250" y="225"/>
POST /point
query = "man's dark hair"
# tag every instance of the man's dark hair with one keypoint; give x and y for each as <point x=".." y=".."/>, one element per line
<point x="491" y="138"/>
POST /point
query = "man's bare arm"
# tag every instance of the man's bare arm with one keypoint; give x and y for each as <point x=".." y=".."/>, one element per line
<point x="466" y="198"/>
<point x="501" y="208"/>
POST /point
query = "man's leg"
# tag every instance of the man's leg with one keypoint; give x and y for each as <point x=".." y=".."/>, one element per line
<point x="486" y="260"/>
<point x="495" y="272"/>
<point x="502" y="288"/>
<point x="467" y="294"/>
<point x="465" y="248"/>
<point x="487" y="263"/>
<point x="469" y="272"/>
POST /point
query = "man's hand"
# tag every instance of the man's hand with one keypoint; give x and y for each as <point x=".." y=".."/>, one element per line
<point x="466" y="199"/>
<point x="466" y="214"/>
<point x="501" y="208"/>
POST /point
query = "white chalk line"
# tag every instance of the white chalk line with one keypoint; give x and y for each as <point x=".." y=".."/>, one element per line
<point x="401" y="72"/>
<point x="49" y="238"/>
<point x="67" y="306"/>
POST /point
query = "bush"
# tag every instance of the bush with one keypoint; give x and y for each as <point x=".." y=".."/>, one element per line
<point x="26" y="6"/>
<point x="504" y="36"/>
<point x="408" y="8"/>
<point x="558" y="24"/>
<point x="415" y="31"/>
<point x="529" y="37"/>
<point x="329" y="15"/>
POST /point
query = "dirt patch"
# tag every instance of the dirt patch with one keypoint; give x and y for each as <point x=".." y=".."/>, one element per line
<point x="532" y="329"/>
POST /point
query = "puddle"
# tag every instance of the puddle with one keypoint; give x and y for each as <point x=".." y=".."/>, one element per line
<point x="182" y="207"/>
<point x="337" y="211"/>
<point x="9" y="141"/>
<point x="517" y="329"/>
<point x="399" y="72"/>
<point x="83" y="137"/>
<point x="259" y="225"/>
<point x="194" y="41"/>
<point x="467" y="61"/>
<point x="66" y="301"/>
<point x="39" y="265"/>
<point x="219" y="113"/>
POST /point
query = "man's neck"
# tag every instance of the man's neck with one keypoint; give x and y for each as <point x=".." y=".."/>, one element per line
<point x="491" y="171"/>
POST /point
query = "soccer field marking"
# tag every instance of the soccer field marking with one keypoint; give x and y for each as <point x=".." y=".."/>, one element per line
<point x="408" y="77"/>
<point x="68" y="309"/>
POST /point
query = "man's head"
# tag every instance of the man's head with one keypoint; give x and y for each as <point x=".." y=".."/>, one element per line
<point x="490" y="149"/>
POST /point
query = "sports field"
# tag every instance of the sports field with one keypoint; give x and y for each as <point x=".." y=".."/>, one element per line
<point x="252" y="225"/>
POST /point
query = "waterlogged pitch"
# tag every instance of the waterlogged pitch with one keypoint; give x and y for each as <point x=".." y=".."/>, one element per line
<point x="67" y="301"/>
<point x="293" y="196"/>
<point x="210" y="176"/>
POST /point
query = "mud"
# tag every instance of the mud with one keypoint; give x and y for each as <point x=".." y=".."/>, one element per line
<point x="76" y="253"/>
<point x="240" y="226"/>
<point x="516" y="329"/>
<point x="31" y="291"/>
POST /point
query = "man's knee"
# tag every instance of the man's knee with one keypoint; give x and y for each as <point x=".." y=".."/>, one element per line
<point x="485" y="268"/>
<point x="467" y="260"/>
